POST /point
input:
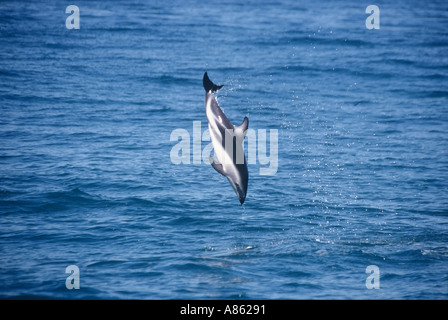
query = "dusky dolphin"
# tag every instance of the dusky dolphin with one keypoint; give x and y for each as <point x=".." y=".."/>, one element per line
<point x="227" y="141"/>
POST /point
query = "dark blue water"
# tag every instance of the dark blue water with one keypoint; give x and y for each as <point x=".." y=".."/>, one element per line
<point x="86" y="177"/>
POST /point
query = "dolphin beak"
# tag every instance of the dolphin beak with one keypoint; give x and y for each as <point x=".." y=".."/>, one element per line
<point x="242" y="198"/>
<point x="241" y="194"/>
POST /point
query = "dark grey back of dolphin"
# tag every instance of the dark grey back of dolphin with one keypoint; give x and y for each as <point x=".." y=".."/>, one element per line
<point x="239" y="175"/>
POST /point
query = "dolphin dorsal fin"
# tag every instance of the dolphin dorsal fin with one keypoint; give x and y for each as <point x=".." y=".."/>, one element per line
<point x="241" y="130"/>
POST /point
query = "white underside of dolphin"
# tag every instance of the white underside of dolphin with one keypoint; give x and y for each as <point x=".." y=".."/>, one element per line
<point x="227" y="141"/>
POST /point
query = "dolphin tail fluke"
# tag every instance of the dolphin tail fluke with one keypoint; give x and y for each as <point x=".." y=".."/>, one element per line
<point x="209" y="85"/>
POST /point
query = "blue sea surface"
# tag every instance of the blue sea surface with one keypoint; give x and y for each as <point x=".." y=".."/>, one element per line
<point x="86" y="176"/>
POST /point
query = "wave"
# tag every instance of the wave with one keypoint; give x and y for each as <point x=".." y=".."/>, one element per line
<point x="334" y="42"/>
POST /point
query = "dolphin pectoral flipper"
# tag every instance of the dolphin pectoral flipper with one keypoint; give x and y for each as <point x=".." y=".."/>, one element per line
<point x="217" y="166"/>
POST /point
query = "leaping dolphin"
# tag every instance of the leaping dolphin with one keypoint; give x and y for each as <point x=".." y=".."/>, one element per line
<point x="227" y="141"/>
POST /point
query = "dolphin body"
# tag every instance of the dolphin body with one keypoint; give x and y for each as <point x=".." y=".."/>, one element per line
<point x="227" y="141"/>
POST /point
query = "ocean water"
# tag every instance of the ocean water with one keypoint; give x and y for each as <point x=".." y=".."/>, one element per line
<point x="86" y="176"/>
